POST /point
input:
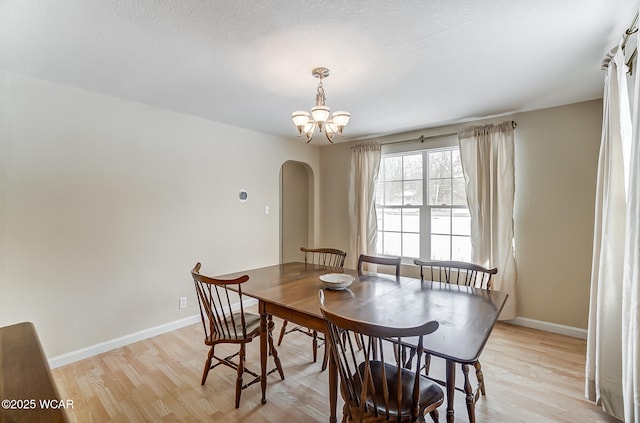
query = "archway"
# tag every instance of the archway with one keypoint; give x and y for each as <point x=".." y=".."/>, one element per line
<point x="296" y="209"/>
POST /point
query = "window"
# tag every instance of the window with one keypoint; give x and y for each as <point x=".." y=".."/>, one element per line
<point x="422" y="206"/>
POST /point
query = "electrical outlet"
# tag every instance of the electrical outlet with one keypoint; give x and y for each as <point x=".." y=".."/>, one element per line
<point x="183" y="302"/>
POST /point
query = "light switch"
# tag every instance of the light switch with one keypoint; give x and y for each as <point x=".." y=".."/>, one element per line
<point x="266" y="209"/>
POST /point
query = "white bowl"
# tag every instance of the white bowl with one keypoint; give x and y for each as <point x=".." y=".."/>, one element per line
<point x="336" y="280"/>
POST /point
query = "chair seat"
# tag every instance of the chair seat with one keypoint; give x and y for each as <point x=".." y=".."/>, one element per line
<point x="252" y="324"/>
<point x="430" y="392"/>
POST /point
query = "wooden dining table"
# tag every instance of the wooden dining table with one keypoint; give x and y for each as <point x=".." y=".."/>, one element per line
<point x="466" y="315"/>
<point x="27" y="389"/>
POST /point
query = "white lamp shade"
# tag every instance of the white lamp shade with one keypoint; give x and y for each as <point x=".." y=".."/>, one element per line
<point x="320" y="113"/>
<point x="341" y="118"/>
<point x="300" y="118"/>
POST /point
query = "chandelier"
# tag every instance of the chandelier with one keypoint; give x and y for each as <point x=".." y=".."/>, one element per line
<point x="307" y="123"/>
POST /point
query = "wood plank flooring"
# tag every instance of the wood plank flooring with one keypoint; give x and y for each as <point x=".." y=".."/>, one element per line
<point x="531" y="376"/>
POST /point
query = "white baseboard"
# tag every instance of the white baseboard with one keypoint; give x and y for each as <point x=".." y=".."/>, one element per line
<point x="73" y="356"/>
<point x="549" y="327"/>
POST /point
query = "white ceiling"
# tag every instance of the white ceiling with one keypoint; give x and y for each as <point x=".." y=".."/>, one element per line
<point x="395" y="65"/>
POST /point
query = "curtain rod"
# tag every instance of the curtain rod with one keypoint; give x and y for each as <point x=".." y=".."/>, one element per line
<point x="632" y="29"/>
<point x="422" y="138"/>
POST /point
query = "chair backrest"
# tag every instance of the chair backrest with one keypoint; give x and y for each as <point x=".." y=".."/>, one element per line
<point x="457" y="272"/>
<point x="373" y="381"/>
<point x="214" y="297"/>
<point x="384" y="261"/>
<point x="324" y="256"/>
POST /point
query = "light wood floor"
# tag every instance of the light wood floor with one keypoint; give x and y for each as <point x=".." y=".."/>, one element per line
<point x="531" y="376"/>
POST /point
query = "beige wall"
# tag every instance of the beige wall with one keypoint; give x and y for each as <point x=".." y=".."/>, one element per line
<point x="107" y="204"/>
<point x="556" y="156"/>
<point x="295" y="197"/>
<point x="556" y="169"/>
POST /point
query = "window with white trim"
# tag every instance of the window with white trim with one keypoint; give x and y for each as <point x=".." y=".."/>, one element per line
<point x="422" y="205"/>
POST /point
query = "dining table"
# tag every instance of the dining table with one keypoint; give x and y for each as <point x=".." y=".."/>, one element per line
<point x="27" y="389"/>
<point x="466" y="315"/>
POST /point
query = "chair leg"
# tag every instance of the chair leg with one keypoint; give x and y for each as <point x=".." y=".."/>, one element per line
<point x="480" y="377"/>
<point x="435" y="416"/>
<point x="282" y="332"/>
<point x="207" y="366"/>
<point x="471" y="403"/>
<point x="272" y="350"/>
<point x="241" y="357"/>
<point x="315" y="345"/>
<point x="325" y="359"/>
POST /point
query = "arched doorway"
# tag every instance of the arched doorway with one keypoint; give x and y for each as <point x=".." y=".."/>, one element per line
<point x="296" y="209"/>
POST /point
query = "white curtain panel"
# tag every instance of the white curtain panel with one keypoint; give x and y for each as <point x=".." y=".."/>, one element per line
<point x="363" y="176"/>
<point x="487" y="154"/>
<point x="631" y="276"/>
<point x="604" y="355"/>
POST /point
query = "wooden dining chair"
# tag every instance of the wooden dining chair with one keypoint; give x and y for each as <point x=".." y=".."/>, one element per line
<point x="373" y="384"/>
<point x="325" y="257"/>
<point x="383" y="261"/>
<point x="331" y="257"/>
<point x="224" y="327"/>
<point x="459" y="273"/>
<point x="456" y="272"/>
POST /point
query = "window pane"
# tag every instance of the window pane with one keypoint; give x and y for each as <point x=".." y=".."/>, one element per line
<point x="379" y="212"/>
<point x="391" y="245"/>
<point x="393" y="193"/>
<point x="459" y="194"/>
<point x="412" y="166"/>
<point x="461" y="246"/>
<point x="439" y="164"/>
<point x="411" y="220"/>
<point x="391" y="220"/>
<point x="461" y="222"/>
<point x="440" y="247"/>
<point x="440" y="221"/>
<point x="413" y="193"/>
<point x="456" y="164"/>
<point x="379" y="240"/>
<point x="393" y="168"/>
<point x="440" y="192"/>
<point x="411" y="245"/>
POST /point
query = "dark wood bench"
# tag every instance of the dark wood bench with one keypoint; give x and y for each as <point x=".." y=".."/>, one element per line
<point x="27" y="390"/>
